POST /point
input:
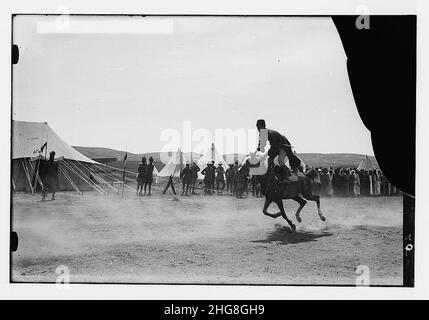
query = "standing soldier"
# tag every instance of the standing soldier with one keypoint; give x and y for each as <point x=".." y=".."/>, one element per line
<point x="230" y="179"/>
<point x="209" y="177"/>
<point x="256" y="187"/>
<point x="195" y="169"/>
<point x="149" y="176"/>
<point x="186" y="176"/>
<point x="49" y="177"/>
<point x="241" y="178"/>
<point x="213" y="176"/>
<point x="235" y="185"/>
<point x="220" y="178"/>
<point x="141" y="175"/>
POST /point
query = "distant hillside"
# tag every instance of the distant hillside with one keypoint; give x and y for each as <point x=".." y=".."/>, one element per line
<point x="345" y="160"/>
<point x="133" y="159"/>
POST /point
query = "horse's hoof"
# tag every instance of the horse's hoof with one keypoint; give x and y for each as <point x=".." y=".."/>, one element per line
<point x="322" y="218"/>
<point x="298" y="219"/>
<point x="293" y="227"/>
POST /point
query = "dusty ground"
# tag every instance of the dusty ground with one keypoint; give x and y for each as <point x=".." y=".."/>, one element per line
<point x="203" y="239"/>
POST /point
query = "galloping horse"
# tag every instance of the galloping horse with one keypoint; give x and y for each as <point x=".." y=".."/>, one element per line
<point x="275" y="191"/>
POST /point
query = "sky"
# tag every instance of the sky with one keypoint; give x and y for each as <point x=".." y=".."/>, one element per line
<point x="148" y="84"/>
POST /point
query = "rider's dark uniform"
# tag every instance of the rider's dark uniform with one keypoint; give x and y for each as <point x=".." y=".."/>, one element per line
<point x="280" y="142"/>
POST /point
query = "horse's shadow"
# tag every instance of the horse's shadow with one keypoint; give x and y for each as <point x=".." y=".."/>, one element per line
<point x="284" y="236"/>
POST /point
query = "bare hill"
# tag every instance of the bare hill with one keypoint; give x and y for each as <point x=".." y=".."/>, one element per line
<point x="314" y="159"/>
<point x="132" y="158"/>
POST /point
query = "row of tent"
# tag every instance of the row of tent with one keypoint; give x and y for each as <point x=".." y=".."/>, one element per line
<point x="75" y="171"/>
<point x="178" y="161"/>
<point x="78" y="172"/>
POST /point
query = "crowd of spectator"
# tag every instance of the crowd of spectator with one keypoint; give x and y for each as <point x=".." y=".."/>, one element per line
<point x="351" y="182"/>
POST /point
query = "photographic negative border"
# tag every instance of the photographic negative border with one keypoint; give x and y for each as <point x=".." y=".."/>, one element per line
<point x="403" y="26"/>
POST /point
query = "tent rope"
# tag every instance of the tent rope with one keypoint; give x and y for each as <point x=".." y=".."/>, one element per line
<point x="60" y="166"/>
<point x="96" y="176"/>
<point x="114" y="177"/>
<point x="118" y="169"/>
<point x="27" y="174"/>
<point x="121" y="171"/>
<point x="82" y="176"/>
<point x="38" y="179"/>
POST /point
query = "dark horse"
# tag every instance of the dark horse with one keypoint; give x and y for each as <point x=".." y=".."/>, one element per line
<point x="275" y="191"/>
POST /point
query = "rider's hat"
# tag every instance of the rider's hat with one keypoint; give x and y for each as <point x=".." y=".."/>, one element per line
<point x="260" y="123"/>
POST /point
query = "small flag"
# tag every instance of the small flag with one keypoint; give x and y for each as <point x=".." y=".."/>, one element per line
<point x="124" y="174"/>
<point x="45" y="145"/>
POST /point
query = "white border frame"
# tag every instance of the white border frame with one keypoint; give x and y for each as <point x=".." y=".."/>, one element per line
<point x="77" y="291"/>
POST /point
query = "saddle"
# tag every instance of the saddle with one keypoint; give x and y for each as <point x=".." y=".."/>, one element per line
<point x="291" y="175"/>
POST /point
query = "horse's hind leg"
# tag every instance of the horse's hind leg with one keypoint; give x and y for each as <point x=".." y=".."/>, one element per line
<point x="302" y="204"/>
<point x="315" y="198"/>
<point x="283" y="213"/>
<point x="265" y="209"/>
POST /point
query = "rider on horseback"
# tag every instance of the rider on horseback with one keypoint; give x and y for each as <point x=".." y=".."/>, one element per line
<point x="281" y="147"/>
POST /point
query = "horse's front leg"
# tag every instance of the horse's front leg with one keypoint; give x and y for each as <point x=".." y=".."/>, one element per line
<point x="283" y="213"/>
<point x="265" y="209"/>
<point x="302" y="204"/>
<point x="316" y="199"/>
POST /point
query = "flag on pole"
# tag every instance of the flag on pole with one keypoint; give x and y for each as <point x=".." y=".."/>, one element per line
<point x="124" y="165"/>
<point x="181" y="163"/>
<point x="45" y="145"/>
<point x="124" y="173"/>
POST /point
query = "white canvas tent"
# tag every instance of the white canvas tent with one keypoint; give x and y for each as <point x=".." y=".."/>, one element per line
<point x="75" y="171"/>
<point x="210" y="155"/>
<point x="174" y="166"/>
<point x="366" y="164"/>
<point x="28" y="138"/>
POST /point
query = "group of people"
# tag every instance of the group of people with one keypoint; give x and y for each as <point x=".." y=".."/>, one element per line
<point x="351" y="182"/>
<point x="237" y="180"/>
<point x="339" y="182"/>
<point x="145" y="176"/>
<point x="216" y="179"/>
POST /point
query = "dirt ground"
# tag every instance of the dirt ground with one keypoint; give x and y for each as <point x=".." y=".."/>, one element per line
<point x="204" y="239"/>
